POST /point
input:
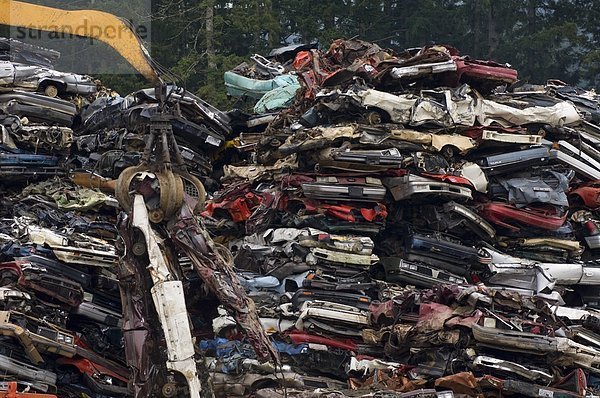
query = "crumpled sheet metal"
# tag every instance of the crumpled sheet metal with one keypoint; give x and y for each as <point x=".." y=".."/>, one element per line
<point x="43" y="139"/>
<point x="457" y="110"/>
<point x="402" y="106"/>
<point x="435" y="141"/>
<point x="460" y="108"/>
<point x="220" y="278"/>
<point x="278" y="98"/>
<point x="460" y="383"/>
<point x="66" y="195"/>
<point x="562" y="114"/>
<point x="257" y="172"/>
<point x="523" y="191"/>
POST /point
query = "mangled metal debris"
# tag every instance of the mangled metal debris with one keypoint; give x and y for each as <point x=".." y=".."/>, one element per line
<point x="401" y="227"/>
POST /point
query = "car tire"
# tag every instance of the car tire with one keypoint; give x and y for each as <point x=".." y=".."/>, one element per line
<point x="51" y="91"/>
<point x="373" y="117"/>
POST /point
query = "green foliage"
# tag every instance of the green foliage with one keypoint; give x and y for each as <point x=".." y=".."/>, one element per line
<point x="213" y="89"/>
<point x="188" y="68"/>
<point x="123" y="84"/>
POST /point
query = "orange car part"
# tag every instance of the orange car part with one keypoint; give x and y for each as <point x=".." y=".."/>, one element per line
<point x="12" y="392"/>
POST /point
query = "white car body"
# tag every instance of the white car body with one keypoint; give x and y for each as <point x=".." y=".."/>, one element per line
<point x="37" y="78"/>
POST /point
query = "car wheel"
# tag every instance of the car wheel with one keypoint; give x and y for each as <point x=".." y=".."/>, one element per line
<point x="139" y="243"/>
<point x="51" y="91"/>
<point x="373" y="117"/>
<point x="169" y="390"/>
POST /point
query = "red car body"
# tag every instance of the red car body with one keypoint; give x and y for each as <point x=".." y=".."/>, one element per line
<point x="377" y="213"/>
<point x="588" y="194"/>
<point x="94" y="374"/>
<point x="299" y="337"/>
<point x="514" y="219"/>
<point x="471" y="69"/>
<point x="450" y="179"/>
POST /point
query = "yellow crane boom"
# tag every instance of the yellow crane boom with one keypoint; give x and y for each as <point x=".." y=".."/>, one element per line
<point x="98" y="25"/>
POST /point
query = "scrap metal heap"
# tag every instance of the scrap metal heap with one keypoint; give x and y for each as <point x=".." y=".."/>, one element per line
<point x="412" y="223"/>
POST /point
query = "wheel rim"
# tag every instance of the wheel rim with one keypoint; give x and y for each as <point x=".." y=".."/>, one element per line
<point x="51" y="91"/>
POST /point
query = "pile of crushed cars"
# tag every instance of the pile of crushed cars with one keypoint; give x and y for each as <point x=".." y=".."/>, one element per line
<point x="407" y="224"/>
